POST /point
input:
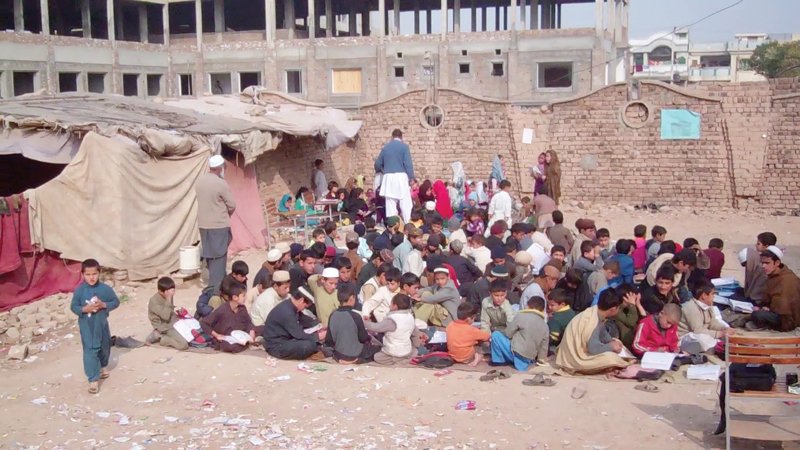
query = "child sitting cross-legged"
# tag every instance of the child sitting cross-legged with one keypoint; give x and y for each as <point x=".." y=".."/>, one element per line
<point x="229" y="317"/>
<point x="525" y="340"/>
<point x="462" y="336"/>
<point x="658" y="331"/>
<point x="401" y="338"/>
<point x="347" y="337"/>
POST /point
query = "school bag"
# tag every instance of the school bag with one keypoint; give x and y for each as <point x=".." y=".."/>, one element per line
<point x="745" y="377"/>
<point x="583" y="295"/>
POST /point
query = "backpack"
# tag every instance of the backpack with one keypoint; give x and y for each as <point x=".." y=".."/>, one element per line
<point x="583" y="295"/>
<point x="744" y="377"/>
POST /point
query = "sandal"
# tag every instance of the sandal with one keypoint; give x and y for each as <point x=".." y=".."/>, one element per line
<point x="490" y="375"/>
<point x="94" y="387"/>
<point x="539" y="380"/>
<point x="647" y="387"/>
<point x="104" y="374"/>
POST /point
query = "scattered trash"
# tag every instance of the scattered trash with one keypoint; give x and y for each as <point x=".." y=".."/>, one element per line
<point x="442" y="373"/>
<point x="141" y="380"/>
<point x="208" y="406"/>
<point x="123" y="419"/>
<point x="350" y="369"/>
<point x="103" y="414"/>
<point x="281" y="378"/>
<point x="170" y="419"/>
<point x="466" y="405"/>
<point x="271" y="362"/>
<point x="255" y="440"/>
<point x="39" y="401"/>
<point x="151" y="400"/>
<point x="163" y="360"/>
<point x="303" y="367"/>
<point x="122" y="439"/>
<point x="579" y="391"/>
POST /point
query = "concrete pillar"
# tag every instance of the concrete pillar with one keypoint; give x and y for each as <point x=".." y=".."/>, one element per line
<point x="352" y="21"/>
<point x="474" y="16"/>
<point x="382" y="18"/>
<point x="396" y="18"/>
<point x="198" y="23"/>
<point x="19" y="16"/>
<point x="534" y="14"/>
<point x="523" y="14"/>
<point x="269" y="20"/>
<point x="512" y="19"/>
<point x="444" y="19"/>
<point x="598" y="17"/>
<point x="329" y="19"/>
<point x="219" y="16"/>
<point x="456" y="16"/>
<point x="429" y="19"/>
<point x="165" y="20"/>
<point x="612" y="20"/>
<point x="312" y="20"/>
<point x="86" y="18"/>
<point x="416" y="16"/>
<point x="144" y="29"/>
<point x="45" y="9"/>
<point x="289" y="19"/>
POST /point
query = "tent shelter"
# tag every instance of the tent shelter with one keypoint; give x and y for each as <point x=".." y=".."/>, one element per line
<point x="125" y="195"/>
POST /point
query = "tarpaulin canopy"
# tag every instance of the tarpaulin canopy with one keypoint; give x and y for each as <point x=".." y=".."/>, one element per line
<point x="116" y="204"/>
<point x="53" y="147"/>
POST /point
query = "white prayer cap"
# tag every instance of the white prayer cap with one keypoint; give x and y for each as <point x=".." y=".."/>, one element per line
<point x="742" y="256"/>
<point x="430" y="206"/>
<point x="274" y="255"/>
<point x="216" y="161"/>
<point x="330" y="272"/>
<point x="775" y="251"/>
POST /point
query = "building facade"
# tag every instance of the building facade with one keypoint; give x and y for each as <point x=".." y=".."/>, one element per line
<point x="340" y="52"/>
<point x="673" y="57"/>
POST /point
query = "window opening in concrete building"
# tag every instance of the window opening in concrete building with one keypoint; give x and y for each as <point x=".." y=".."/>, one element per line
<point x="463" y="53"/>
<point x="31" y="15"/>
<point x="427" y="70"/>
<point x="7" y="15"/>
<point x="555" y="75"/>
<point x="294" y="81"/>
<point x="96" y="82"/>
<point x="65" y="18"/>
<point x="185" y="84"/>
<point x="67" y="82"/>
<point x="498" y="52"/>
<point x="715" y="61"/>
<point x="155" y="23"/>
<point x="153" y="84"/>
<point x="660" y="55"/>
<point x="399" y="72"/>
<point x="346" y="81"/>
<point x="24" y="82"/>
<point x="432" y="116"/>
<point x="220" y="83"/>
<point x="130" y="84"/>
<point x="245" y="15"/>
<point x="399" y="55"/>
<point x="181" y="18"/>
<point x="463" y="68"/>
<point x="247" y="79"/>
<point x="497" y="69"/>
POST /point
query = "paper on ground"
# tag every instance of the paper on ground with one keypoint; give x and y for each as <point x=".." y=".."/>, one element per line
<point x="658" y="360"/>
<point x="439" y="337"/>
<point x="708" y="372"/>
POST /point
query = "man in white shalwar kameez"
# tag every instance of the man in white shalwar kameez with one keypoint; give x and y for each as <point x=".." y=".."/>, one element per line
<point x="396" y="169"/>
<point x="500" y="206"/>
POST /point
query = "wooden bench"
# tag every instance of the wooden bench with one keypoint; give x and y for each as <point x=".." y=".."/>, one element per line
<point x="282" y="223"/>
<point x="761" y="350"/>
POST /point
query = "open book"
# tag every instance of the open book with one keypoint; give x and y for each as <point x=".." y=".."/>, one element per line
<point x="736" y="305"/>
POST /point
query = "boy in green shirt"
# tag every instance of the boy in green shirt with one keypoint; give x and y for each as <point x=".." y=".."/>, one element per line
<point x="560" y="314"/>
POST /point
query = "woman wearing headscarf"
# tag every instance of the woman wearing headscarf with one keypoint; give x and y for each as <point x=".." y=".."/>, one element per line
<point x="443" y="206"/>
<point x="553" y="175"/>
<point x="285" y="204"/>
<point x="480" y="193"/>
<point x="497" y="175"/>
<point x="357" y="207"/>
<point x="538" y="172"/>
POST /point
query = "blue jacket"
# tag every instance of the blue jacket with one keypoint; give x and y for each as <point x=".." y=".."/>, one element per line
<point x="94" y="329"/>
<point x="395" y="157"/>
<point x="625" y="267"/>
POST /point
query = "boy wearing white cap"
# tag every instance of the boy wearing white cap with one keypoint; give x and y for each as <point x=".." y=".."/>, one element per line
<point x="781" y="307"/>
<point x="215" y="205"/>
<point x="264" y="275"/>
<point x="323" y="288"/>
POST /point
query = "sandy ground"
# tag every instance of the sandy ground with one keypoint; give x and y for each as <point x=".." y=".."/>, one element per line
<point x="160" y="398"/>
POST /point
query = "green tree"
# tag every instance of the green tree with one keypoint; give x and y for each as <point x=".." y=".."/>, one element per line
<point x="777" y="59"/>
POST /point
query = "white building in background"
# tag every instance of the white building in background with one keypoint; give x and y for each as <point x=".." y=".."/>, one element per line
<point x="673" y="57"/>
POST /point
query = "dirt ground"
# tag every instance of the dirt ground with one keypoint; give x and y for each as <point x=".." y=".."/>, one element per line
<point x="160" y="398"/>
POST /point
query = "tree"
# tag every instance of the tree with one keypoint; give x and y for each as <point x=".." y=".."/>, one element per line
<point x="777" y="59"/>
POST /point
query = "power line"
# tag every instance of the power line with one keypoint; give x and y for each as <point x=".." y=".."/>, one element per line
<point x="654" y="39"/>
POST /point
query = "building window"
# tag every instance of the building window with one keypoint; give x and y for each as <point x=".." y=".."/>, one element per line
<point x="247" y="79"/>
<point x="220" y="83"/>
<point x="432" y="116"/>
<point x="130" y="84"/>
<point x="638" y="59"/>
<point x="346" y="81"/>
<point x="744" y="64"/>
<point x="294" y="82"/>
<point x="96" y="82"/>
<point x="427" y="70"/>
<point x="463" y="53"/>
<point x="186" y="84"/>
<point x="153" y="84"/>
<point x="498" y="52"/>
<point x="555" y="75"/>
<point x="24" y="82"/>
<point x="67" y="82"/>
<point x="660" y="55"/>
<point x="399" y="72"/>
<point x="399" y="55"/>
<point x="463" y="68"/>
<point x="497" y="69"/>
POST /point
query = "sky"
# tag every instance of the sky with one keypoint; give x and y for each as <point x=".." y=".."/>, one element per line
<point x="648" y="17"/>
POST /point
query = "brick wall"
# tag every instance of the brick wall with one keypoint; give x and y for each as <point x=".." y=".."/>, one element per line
<point x="748" y="155"/>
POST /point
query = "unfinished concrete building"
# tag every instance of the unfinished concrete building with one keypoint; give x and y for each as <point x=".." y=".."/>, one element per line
<point x="341" y="52"/>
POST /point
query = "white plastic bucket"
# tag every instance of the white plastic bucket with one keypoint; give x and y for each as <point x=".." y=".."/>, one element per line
<point x="189" y="259"/>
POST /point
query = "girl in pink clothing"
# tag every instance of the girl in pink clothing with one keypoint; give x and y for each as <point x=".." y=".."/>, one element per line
<point x="640" y="254"/>
<point x="538" y="172"/>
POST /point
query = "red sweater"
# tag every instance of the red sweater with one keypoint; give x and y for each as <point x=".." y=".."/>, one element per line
<point x="650" y="338"/>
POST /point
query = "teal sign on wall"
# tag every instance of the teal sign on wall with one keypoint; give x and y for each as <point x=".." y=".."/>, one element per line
<point x="679" y="124"/>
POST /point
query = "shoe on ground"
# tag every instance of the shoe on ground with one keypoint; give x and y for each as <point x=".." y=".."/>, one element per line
<point x="94" y="387"/>
<point x="751" y="326"/>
